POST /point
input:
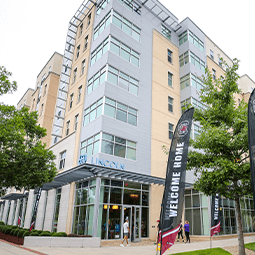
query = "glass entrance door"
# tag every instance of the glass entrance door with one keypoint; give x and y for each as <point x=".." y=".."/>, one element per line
<point x="133" y="213"/>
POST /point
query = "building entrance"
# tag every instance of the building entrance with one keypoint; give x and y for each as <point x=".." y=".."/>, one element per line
<point x="134" y="216"/>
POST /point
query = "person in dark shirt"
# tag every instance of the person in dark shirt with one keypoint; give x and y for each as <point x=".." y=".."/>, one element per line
<point x="180" y="232"/>
<point x="186" y="228"/>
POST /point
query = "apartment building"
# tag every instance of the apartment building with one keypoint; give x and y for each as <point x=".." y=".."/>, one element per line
<point x="128" y="69"/>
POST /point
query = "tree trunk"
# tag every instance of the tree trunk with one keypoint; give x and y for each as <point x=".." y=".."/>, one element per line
<point x="239" y="227"/>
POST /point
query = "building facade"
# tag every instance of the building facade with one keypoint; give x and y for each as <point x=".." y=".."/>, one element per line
<point x="128" y="69"/>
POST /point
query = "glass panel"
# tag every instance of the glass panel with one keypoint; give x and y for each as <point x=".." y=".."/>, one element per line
<point x="123" y="83"/>
<point x="109" y="111"/>
<point x="84" y="194"/>
<point x="119" y="150"/>
<point x="115" y="196"/>
<point x="145" y="222"/>
<point x="107" y="147"/>
<point x="108" y="137"/>
<point x="104" y="194"/>
<point x="114" y="48"/>
<point x="132" y="119"/>
<point x="188" y="217"/>
<point x="145" y="198"/>
<point x="102" y="226"/>
<point x="196" y="202"/>
<point x="137" y="223"/>
<point x="131" y="153"/>
<point x="187" y="201"/>
<point x="82" y="216"/>
<point x="124" y="54"/>
<point x="114" y="222"/>
<point x="96" y="147"/>
<point x="112" y="78"/>
<point x="91" y="198"/>
<point x="116" y="21"/>
<point x="75" y="220"/>
<point x="126" y="29"/>
<point x="121" y="115"/>
<point x="117" y="183"/>
<point x="134" y="61"/>
<point x="131" y="197"/>
<point x="133" y="89"/>
<point x="196" y="222"/>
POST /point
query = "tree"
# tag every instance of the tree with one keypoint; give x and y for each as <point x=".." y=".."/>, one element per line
<point x="24" y="160"/>
<point x="220" y="155"/>
<point x="5" y="85"/>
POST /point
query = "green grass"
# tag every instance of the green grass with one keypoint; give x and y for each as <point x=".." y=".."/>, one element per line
<point x="250" y="246"/>
<point x="214" y="251"/>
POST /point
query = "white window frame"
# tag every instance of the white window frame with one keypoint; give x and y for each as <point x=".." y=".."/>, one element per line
<point x="62" y="160"/>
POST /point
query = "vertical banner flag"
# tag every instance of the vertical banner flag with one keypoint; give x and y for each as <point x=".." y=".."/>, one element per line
<point x="35" y="209"/>
<point x="215" y="215"/>
<point x="251" y="139"/>
<point x="173" y="197"/>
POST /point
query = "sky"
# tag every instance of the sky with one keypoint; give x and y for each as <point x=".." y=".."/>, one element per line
<point x="32" y="30"/>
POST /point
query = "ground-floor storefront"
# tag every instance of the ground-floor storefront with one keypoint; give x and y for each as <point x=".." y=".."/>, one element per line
<point x="96" y="202"/>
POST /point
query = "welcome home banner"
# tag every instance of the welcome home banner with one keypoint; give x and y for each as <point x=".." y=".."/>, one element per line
<point x="173" y="197"/>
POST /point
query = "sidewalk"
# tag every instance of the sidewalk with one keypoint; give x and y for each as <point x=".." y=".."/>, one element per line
<point x="8" y="249"/>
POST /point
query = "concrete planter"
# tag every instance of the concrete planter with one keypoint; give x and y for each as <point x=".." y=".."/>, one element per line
<point x="50" y="241"/>
<point x="12" y="239"/>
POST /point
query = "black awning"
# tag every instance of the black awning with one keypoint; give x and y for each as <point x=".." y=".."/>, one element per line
<point x="85" y="171"/>
<point x="14" y="196"/>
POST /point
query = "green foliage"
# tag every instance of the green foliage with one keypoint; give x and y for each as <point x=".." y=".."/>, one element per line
<point x="13" y="229"/>
<point x="16" y="232"/>
<point x="34" y="233"/>
<point x="6" y="86"/>
<point x="221" y="149"/>
<point x="45" y="233"/>
<point x="2" y="223"/>
<point x="24" y="160"/>
<point x="26" y="233"/>
<point x="63" y="234"/>
<point x="21" y="232"/>
<point x="218" y="251"/>
<point x="250" y="246"/>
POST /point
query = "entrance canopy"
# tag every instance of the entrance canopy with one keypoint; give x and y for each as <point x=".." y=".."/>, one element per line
<point x="85" y="171"/>
<point x="14" y="196"/>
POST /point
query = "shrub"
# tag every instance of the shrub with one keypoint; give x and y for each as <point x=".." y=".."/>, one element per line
<point x="35" y="233"/>
<point x="13" y="229"/>
<point x="62" y="234"/>
<point x="2" y="223"/>
<point x="45" y="233"/>
<point x="7" y="230"/>
<point x="21" y="232"/>
<point x="15" y="232"/>
<point x="26" y="233"/>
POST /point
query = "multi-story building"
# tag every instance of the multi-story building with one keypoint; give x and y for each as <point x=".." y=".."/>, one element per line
<point x="128" y="69"/>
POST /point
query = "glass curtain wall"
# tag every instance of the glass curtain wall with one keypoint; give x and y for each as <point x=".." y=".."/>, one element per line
<point x="56" y="213"/>
<point x="14" y="212"/>
<point x="114" y="196"/>
<point x="84" y="208"/>
<point x="196" y="212"/>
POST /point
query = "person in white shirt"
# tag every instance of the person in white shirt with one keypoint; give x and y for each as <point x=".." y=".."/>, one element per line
<point x="126" y="230"/>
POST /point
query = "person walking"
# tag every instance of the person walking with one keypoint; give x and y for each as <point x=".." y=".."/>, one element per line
<point x="180" y="233"/>
<point x="126" y="230"/>
<point x="186" y="228"/>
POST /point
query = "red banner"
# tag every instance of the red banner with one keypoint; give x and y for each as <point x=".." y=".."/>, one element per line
<point x="215" y="229"/>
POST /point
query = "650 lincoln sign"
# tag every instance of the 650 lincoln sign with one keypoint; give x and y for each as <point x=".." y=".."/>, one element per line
<point x="101" y="162"/>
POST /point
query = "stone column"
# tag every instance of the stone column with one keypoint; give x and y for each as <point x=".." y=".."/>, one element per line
<point x="41" y="211"/>
<point x="11" y="213"/>
<point x="49" y="210"/>
<point x="96" y="206"/>
<point x="5" y="209"/>
<point x="63" y="208"/>
<point x="69" y="220"/>
<point x="15" y="223"/>
<point x="28" y="216"/>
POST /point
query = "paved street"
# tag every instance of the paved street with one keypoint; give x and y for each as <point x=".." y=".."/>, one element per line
<point x="8" y="249"/>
